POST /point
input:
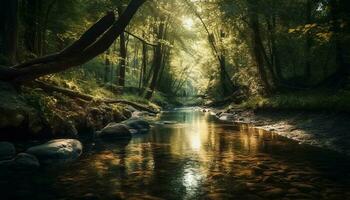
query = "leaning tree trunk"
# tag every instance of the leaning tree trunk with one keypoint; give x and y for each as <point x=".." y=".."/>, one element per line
<point x="92" y="43"/>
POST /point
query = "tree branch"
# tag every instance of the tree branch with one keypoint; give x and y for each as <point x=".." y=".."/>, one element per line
<point x="93" y="42"/>
<point x="141" y="39"/>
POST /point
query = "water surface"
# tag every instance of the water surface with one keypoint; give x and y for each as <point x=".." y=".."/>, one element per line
<point x="191" y="156"/>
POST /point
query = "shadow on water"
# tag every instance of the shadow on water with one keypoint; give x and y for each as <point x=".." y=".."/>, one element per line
<point x="197" y="157"/>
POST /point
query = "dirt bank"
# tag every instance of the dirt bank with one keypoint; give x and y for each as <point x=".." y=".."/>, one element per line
<point x="327" y="130"/>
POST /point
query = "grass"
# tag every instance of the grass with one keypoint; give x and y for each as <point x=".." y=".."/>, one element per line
<point x="323" y="100"/>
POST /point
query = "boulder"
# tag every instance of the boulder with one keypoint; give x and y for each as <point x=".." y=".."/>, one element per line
<point x="7" y="151"/>
<point x="114" y="131"/>
<point x="6" y="164"/>
<point x="137" y="125"/>
<point x="60" y="150"/>
<point x="226" y="116"/>
<point x="26" y="161"/>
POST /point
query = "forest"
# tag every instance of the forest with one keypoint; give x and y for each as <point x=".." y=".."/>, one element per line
<point x="263" y="85"/>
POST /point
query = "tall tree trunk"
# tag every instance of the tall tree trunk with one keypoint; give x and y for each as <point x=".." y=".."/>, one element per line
<point x="223" y="74"/>
<point x="256" y="44"/>
<point x="308" y="41"/>
<point x="157" y="62"/>
<point x="143" y="66"/>
<point x="45" y="24"/>
<point x="8" y="30"/>
<point x="335" y="8"/>
<point x="122" y="54"/>
<point x="107" y="67"/>
<point x="166" y="53"/>
<point x="275" y="65"/>
<point x="32" y="23"/>
<point x="122" y="62"/>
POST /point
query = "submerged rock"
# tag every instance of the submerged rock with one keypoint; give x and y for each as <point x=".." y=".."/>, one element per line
<point x="22" y="161"/>
<point x="273" y="193"/>
<point x="26" y="161"/>
<point x="7" y="151"/>
<point x="137" y="125"/>
<point x="114" y="131"/>
<point x="60" y="150"/>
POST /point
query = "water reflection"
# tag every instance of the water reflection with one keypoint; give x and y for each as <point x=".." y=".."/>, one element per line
<point x="199" y="158"/>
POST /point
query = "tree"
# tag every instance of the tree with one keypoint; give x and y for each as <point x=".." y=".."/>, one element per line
<point x="157" y="56"/>
<point x="8" y="30"/>
<point x="92" y="43"/>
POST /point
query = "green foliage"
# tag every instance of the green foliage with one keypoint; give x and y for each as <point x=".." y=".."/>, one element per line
<point x="323" y="100"/>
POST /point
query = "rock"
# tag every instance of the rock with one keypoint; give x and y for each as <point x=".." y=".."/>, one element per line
<point x="226" y="116"/>
<point x="26" y="161"/>
<point x="267" y="179"/>
<point x="239" y="188"/>
<point x="251" y="197"/>
<point x="6" y="164"/>
<point x="60" y="150"/>
<point x="274" y="192"/>
<point x="303" y="187"/>
<point x="257" y="170"/>
<point x="169" y="122"/>
<point x="139" y="114"/>
<point x="293" y="191"/>
<point x="89" y="196"/>
<point x="137" y="125"/>
<point x="114" y="131"/>
<point x="7" y="151"/>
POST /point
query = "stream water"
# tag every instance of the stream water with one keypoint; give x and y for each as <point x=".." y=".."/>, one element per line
<point x="191" y="156"/>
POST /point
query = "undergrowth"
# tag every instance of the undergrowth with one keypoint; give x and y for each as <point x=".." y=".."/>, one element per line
<point x="321" y="100"/>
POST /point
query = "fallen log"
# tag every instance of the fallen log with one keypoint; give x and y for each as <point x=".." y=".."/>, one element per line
<point x="75" y="94"/>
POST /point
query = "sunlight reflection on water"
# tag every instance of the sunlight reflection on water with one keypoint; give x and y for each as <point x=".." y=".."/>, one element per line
<point x="196" y="158"/>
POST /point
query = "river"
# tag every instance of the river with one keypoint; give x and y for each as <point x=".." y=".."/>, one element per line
<point x="191" y="155"/>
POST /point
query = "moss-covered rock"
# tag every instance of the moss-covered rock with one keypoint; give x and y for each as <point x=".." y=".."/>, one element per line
<point x="16" y="114"/>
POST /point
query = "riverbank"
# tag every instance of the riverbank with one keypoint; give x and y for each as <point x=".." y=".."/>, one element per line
<point x="323" y="129"/>
<point x="33" y="113"/>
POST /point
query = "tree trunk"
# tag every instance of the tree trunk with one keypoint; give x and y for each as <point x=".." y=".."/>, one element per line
<point x="308" y="41"/>
<point x="122" y="63"/>
<point x="8" y="30"/>
<point x="335" y="12"/>
<point x="223" y="74"/>
<point x="45" y="24"/>
<point x="32" y="23"/>
<point x="143" y="66"/>
<point x="107" y="67"/>
<point x="257" y="50"/>
<point x="157" y="62"/>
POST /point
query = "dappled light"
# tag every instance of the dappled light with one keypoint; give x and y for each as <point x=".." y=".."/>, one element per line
<point x="174" y="99"/>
